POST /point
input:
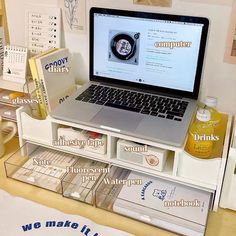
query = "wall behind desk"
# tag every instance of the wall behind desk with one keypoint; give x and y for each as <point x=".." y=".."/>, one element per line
<point x="219" y="78"/>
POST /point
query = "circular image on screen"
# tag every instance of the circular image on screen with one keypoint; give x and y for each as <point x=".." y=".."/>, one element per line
<point x="123" y="46"/>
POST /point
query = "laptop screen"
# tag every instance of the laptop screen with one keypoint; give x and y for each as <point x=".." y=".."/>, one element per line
<point x="147" y="50"/>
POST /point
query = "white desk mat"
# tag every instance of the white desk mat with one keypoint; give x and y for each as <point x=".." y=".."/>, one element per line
<point x="18" y="214"/>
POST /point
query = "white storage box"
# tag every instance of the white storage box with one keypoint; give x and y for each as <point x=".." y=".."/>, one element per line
<point x="83" y="139"/>
<point x="96" y="143"/>
<point x="72" y="134"/>
<point x="143" y="155"/>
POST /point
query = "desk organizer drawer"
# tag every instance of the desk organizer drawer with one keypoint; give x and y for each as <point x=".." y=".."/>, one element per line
<point x="39" y="166"/>
<point x="154" y="201"/>
<point x="80" y="183"/>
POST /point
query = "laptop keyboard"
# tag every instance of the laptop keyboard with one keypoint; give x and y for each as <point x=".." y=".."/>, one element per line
<point x="154" y="105"/>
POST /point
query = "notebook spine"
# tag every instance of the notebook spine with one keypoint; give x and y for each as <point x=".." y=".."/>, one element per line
<point x="39" y="90"/>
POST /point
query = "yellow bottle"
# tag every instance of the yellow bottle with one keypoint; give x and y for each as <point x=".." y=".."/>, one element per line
<point x="199" y="143"/>
<point x="211" y="104"/>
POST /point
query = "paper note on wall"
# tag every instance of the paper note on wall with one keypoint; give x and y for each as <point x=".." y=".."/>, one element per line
<point x="42" y="28"/>
<point x="160" y="3"/>
<point x="74" y="15"/>
<point x="220" y="2"/>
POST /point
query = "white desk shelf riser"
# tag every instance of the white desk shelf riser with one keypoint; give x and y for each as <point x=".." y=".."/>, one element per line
<point x="180" y="167"/>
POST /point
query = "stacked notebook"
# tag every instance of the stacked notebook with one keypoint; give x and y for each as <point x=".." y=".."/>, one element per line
<point x="52" y="75"/>
<point x="165" y="204"/>
<point x="156" y="201"/>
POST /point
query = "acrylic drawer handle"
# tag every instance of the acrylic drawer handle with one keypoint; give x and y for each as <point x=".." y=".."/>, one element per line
<point x="75" y="195"/>
<point x="31" y="179"/>
<point x="145" y="218"/>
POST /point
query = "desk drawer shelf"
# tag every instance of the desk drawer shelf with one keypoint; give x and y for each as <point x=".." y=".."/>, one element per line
<point x="180" y="167"/>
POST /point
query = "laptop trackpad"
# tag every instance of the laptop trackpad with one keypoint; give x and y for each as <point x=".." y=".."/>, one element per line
<point x="117" y="119"/>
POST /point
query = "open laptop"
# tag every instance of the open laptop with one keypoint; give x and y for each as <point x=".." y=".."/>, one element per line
<point x="145" y="71"/>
